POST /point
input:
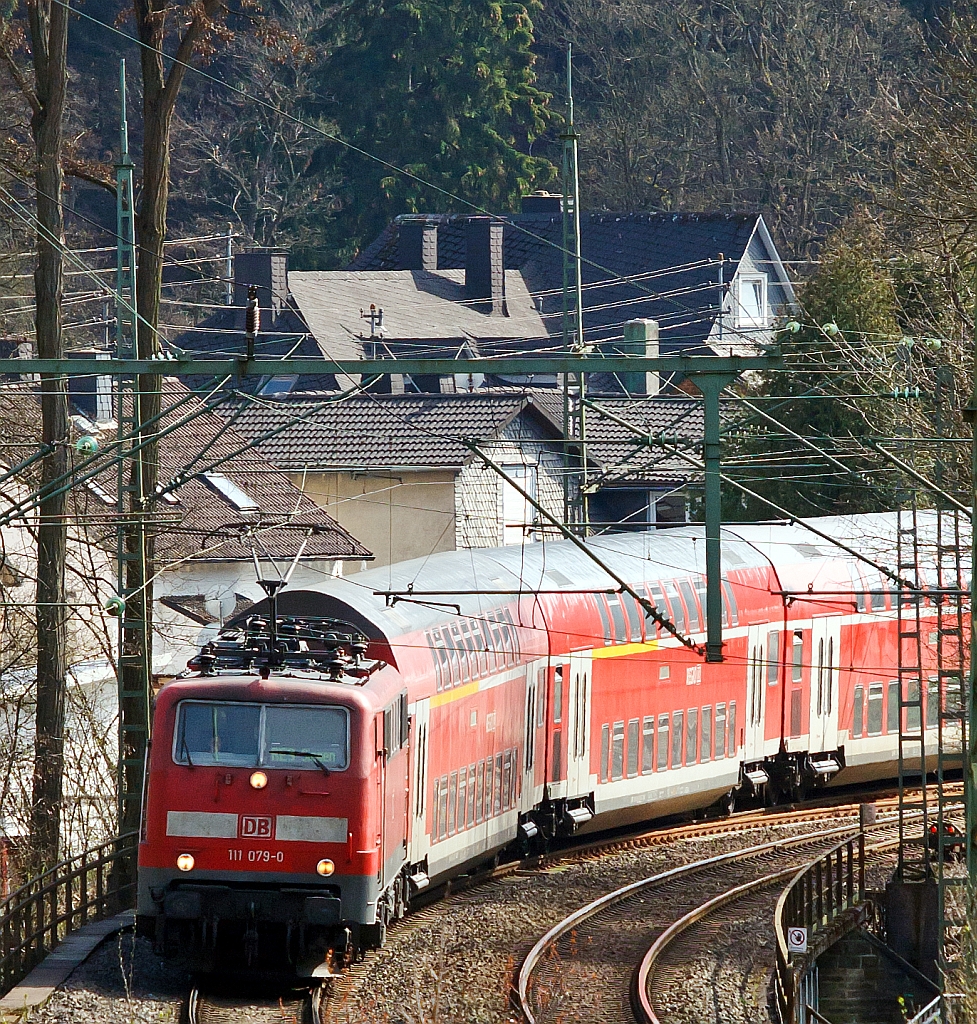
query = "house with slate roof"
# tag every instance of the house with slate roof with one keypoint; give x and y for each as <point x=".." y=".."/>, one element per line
<point x="714" y="283"/>
<point x="399" y="470"/>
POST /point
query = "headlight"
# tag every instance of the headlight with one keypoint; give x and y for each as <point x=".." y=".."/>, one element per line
<point x="185" y="862"/>
<point x="324" y="867"/>
<point x="259" y="780"/>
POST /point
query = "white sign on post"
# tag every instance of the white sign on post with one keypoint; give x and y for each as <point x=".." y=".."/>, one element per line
<point x="796" y="940"/>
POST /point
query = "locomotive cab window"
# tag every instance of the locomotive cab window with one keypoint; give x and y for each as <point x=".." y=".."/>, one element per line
<point x="309" y="737"/>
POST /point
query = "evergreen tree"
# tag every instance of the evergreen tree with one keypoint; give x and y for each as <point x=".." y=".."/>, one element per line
<point x="442" y="88"/>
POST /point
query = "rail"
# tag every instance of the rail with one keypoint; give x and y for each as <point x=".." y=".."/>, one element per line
<point x="79" y="890"/>
<point x="824" y="895"/>
<point x="929" y="1014"/>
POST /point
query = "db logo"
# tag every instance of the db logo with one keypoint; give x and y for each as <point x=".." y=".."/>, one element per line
<point x="253" y="826"/>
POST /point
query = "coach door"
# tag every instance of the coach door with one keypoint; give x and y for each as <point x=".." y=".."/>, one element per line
<point x="578" y="736"/>
<point x="420" y="724"/>
<point x="755" y="685"/>
<point x="826" y="637"/>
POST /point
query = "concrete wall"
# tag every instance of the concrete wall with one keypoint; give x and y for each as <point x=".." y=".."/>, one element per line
<point x="397" y="515"/>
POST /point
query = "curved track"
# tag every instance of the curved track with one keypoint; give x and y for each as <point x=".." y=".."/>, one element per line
<point x="581" y="970"/>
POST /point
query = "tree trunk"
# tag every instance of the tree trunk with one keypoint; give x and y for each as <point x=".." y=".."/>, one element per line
<point x="49" y="34"/>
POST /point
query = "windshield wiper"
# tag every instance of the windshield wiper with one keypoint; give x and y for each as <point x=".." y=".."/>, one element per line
<point x="315" y="758"/>
<point x="184" y="749"/>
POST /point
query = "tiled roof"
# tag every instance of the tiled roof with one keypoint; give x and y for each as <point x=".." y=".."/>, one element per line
<point x="620" y="456"/>
<point x="198" y="522"/>
<point x="673" y="257"/>
<point x="381" y="431"/>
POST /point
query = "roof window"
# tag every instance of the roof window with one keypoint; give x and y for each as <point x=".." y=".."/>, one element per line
<point x="231" y="493"/>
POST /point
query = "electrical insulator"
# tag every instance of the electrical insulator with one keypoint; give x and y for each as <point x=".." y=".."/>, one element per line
<point x="793" y="326"/>
<point x="831" y="328"/>
<point x="116" y="606"/>
<point x="251" y="319"/>
<point x="86" y="445"/>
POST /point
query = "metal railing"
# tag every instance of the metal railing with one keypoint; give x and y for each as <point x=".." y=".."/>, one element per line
<point x="929" y="1014"/>
<point x="81" y="889"/>
<point x="826" y="898"/>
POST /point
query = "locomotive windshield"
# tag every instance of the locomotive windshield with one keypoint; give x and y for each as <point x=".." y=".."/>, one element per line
<point x="247" y="735"/>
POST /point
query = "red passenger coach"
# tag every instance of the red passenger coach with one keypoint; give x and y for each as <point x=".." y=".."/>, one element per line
<point x="416" y="720"/>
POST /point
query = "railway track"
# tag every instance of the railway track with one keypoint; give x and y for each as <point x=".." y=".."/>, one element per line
<point x="581" y="969"/>
<point x="734" y="985"/>
<point x="295" y="1006"/>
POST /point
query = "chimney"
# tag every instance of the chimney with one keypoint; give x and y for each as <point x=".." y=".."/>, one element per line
<point x="640" y="339"/>
<point x="484" y="269"/>
<point x="267" y="269"/>
<point x="542" y="203"/>
<point x="417" y="244"/>
<point x="92" y="395"/>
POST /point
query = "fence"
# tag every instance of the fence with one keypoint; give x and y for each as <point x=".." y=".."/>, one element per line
<point x="84" y="888"/>
<point x="824" y="897"/>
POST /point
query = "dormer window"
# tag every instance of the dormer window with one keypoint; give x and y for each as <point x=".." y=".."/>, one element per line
<point x="751" y="306"/>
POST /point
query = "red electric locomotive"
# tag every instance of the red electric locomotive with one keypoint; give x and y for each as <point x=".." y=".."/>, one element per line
<point x="415" y="720"/>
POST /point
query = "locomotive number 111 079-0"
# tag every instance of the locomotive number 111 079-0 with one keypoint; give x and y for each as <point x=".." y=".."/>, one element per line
<point x="257" y="856"/>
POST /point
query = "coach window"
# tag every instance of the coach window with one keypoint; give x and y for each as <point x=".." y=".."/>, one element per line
<point x="678" y="729"/>
<point x="730" y="611"/>
<point x="510" y="633"/>
<point x="605" y="619"/>
<point x="662" y="742"/>
<point x="913" y="716"/>
<point x="497" y="786"/>
<point x="541" y="699"/>
<point x="691" y="605"/>
<point x="634" y="739"/>
<point x="699" y="583"/>
<point x="636" y="616"/>
<point x="506" y="778"/>
<point x="443" y="807"/>
<point x="648" y="745"/>
<point x="892" y="709"/>
<point x="619" y="627"/>
<point x="875" y="709"/>
<point x="617" y="752"/>
<point x="470" y="818"/>
<point x="436" y="804"/>
<point x="605" y="751"/>
<point x="462" y="797"/>
<point x="797" y="657"/>
<point x="773" y="657"/>
<point x="659" y="600"/>
<point x="675" y="603"/>
<point x="489" y="781"/>
<point x="877" y="600"/>
<point x="498" y="648"/>
<point x="932" y="702"/>
<point x="558" y="695"/>
<point x="454" y="656"/>
<point x="479" y="783"/>
<point x="720" y="730"/>
<point x="731" y="730"/>
<point x="452" y="801"/>
<point x="705" y="748"/>
<point x="691" y="735"/>
<point x="470" y="664"/>
<point x="858" y="712"/>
